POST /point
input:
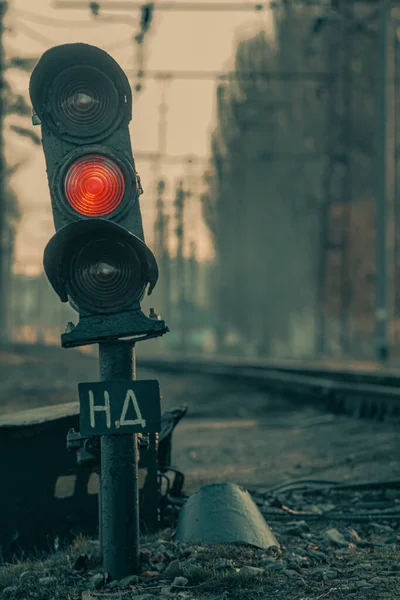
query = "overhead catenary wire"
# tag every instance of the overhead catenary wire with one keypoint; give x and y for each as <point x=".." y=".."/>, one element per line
<point x="202" y="6"/>
<point x="118" y="45"/>
<point x="300" y="156"/>
<point x="63" y="23"/>
<point x="249" y="76"/>
<point x="46" y="41"/>
<point x="35" y="35"/>
<point x="173" y="6"/>
<point x="201" y="75"/>
<point x="43" y="20"/>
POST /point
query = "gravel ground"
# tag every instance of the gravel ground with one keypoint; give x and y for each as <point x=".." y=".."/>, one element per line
<point x="312" y="561"/>
<point x="333" y="543"/>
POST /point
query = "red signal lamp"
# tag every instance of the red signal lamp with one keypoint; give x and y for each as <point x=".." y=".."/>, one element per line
<point x="94" y="186"/>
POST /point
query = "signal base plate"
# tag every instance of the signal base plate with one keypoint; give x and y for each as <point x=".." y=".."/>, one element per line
<point x="132" y="324"/>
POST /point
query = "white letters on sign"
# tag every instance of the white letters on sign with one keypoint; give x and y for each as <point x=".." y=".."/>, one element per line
<point x="97" y="408"/>
<point x="129" y="398"/>
<point x="130" y="395"/>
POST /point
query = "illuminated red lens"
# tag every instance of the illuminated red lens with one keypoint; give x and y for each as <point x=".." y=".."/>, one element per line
<point x="94" y="186"/>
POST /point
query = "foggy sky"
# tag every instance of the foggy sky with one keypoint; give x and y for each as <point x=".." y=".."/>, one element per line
<point x="177" y="41"/>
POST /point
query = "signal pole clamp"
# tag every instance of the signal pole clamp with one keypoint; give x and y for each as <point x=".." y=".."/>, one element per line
<point x="98" y="262"/>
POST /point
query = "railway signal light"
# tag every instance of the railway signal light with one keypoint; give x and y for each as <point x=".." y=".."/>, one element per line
<point x="97" y="260"/>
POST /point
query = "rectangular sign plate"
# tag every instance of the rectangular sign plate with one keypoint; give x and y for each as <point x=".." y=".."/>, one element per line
<point x="119" y="407"/>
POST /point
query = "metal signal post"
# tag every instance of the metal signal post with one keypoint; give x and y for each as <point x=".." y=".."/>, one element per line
<point x="98" y="262"/>
<point x="119" y="505"/>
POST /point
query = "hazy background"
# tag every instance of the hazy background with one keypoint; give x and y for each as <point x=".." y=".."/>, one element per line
<point x="177" y="41"/>
<point x="284" y="127"/>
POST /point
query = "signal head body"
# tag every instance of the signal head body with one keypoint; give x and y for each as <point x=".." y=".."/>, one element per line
<point x="97" y="260"/>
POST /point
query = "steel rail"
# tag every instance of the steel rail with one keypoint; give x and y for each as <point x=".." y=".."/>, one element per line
<point x="368" y="372"/>
<point x="358" y="392"/>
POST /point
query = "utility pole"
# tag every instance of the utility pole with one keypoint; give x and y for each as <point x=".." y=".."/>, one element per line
<point x="382" y="255"/>
<point x="162" y="220"/>
<point x="180" y="263"/>
<point x="159" y="220"/>
<point x="4" y="236"/>
<point x="165" y="265"/>
<point x="161" y="249"/>
<point x="345" y="146"/>
<point x="391" y="159"/>
<point x="159" y="185"/>
<point x="325" y="244"/>
<point x="396" y="194"/>
<point x="162" y="133"/>
<point x="334" y="283"/>
<point x="145" y="22"/>
<point x="193" y="275"/>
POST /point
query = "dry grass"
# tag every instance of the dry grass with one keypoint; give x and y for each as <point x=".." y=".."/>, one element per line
<point x="54" y="578"/>
<point x="51" y="577"/>
<point x="58" y="577"/>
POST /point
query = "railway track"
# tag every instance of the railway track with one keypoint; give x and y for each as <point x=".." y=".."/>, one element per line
<point x="40" y="434"/>
<point x="363" y="391"/>
<point x="360" y="389"/>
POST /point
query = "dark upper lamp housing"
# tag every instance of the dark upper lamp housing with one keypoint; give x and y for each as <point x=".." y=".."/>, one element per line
<point x="81" y="93"/>
<point x="97" y="260"/>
